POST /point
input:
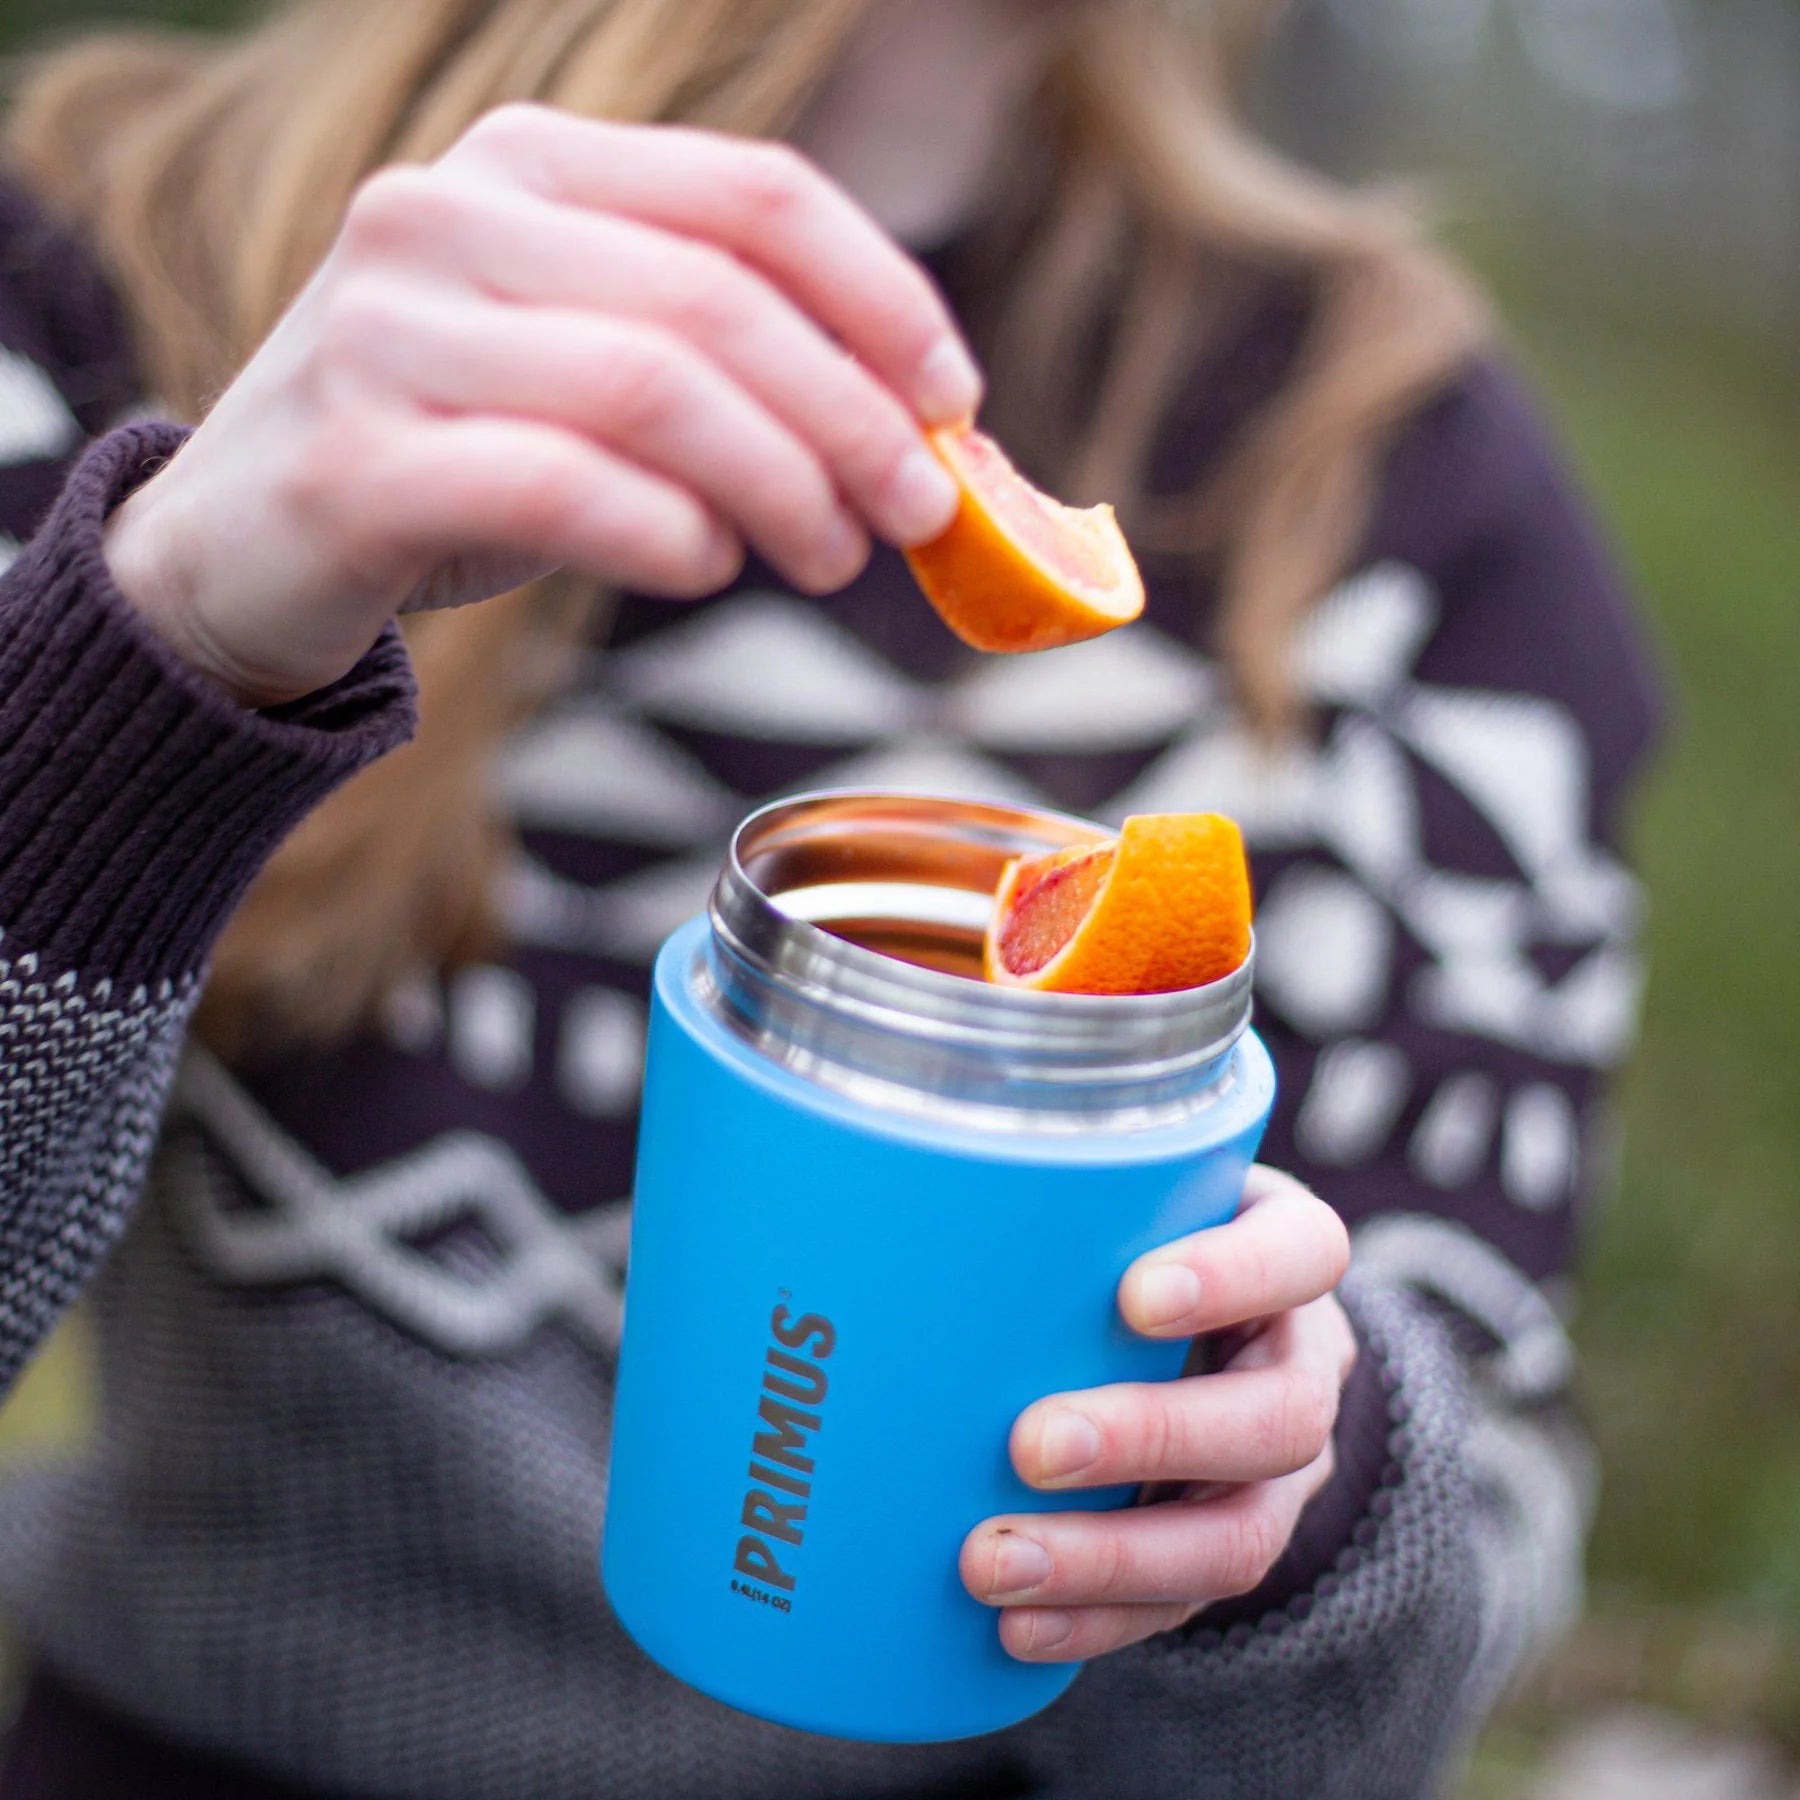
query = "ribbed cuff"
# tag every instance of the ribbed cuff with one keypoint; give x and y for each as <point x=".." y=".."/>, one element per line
<point x="1339" y="1518"/>
<point x="137" y="802"/>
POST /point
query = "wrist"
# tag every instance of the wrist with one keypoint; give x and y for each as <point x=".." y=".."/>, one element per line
<point x="139" y="556"/>
<point x="141" y="800"/>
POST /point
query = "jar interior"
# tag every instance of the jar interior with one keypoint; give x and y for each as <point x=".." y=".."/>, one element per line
<point x="924" y="924"/>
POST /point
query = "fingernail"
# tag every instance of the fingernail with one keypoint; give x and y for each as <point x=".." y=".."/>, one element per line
<point x="921" y="498"/>
<point x="1020" y="1564"/>
<point x="1067" y="1443"/>
<point x="723" y="558"/>
<point x="1167" y="1292"/>
<point x="839" y="555"/>
<point x="947" y="389"/>
<point x="1048" y="1628"/>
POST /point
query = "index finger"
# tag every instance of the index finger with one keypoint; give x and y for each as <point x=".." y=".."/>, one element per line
<point x="1284" y="1248"/>
<point x="765" y="203"/>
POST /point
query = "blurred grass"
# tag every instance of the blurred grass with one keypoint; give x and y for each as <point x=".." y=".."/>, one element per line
<point x="52" y="1405"/>
<point x="31" y="22"/>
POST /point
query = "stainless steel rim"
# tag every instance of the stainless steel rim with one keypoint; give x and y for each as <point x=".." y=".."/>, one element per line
<point x="918" y="1039"/>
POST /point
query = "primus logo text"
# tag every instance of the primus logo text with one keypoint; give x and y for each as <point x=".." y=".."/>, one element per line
<point x="780" y="1469"/>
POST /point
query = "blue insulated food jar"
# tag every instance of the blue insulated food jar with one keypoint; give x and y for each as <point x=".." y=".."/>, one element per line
<point x="880" y="1208"/>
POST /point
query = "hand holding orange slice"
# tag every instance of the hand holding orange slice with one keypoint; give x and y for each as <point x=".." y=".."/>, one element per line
<point x="1165" y="905"/>
<point x="1017" y="570"/>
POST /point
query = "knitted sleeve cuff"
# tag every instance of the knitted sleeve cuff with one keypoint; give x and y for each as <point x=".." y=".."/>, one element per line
<point x="137" y="802"/>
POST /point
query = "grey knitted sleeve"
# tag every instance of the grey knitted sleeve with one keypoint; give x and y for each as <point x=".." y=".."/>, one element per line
<point x="136" y="805"/>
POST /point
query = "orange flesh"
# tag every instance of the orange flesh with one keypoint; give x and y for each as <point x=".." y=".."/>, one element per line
<point x="1059" y="538"/>
<point x="1050" y="907"/>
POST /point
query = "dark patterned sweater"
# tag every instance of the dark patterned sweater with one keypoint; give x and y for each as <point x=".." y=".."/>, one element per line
<point x="357" y="1312"/>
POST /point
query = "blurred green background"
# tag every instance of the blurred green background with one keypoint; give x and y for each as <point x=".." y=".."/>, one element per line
<point x="1623" y="172"/>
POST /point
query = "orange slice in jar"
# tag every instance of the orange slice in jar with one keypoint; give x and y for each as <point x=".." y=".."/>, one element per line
<point x="1164" y="906"/>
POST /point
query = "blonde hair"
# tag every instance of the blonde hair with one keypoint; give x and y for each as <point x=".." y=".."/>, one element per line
<point x="211" y="174"/>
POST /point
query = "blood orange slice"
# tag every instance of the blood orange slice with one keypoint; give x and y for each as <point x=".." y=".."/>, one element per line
<point x="1165" y="905"/>
<point x="1017" y="570"/>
